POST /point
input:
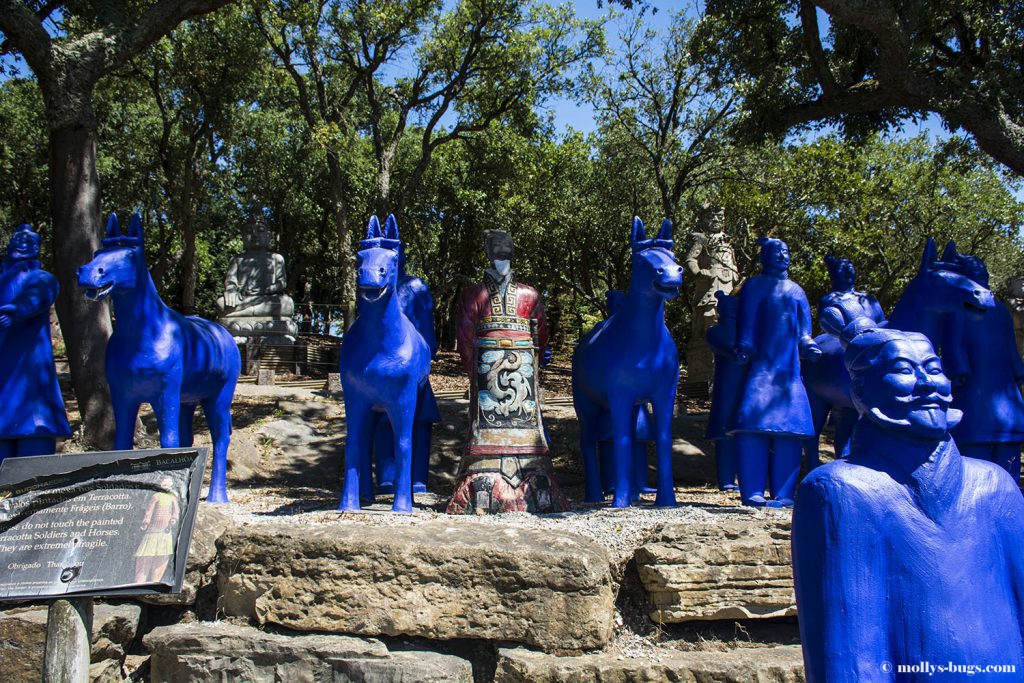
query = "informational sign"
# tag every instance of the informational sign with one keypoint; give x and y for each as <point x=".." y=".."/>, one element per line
<point x="102" y="523"/>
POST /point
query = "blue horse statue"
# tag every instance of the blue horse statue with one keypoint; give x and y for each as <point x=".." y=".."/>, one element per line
<point x="418" y="305"/>
<point x="385" y="363"/>
<point x="939" y="289"/>
<point x="724" y="391"/>
<point x="630" y="361"/>
<point x="160" y="357"/>
<point x="643" y="432"/>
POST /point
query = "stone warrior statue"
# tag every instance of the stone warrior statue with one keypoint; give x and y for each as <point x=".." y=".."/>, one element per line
<point x="713" y="264"/>
<point x="34" y="417"/>
<point x="502" y="335"/>
<point x="254" y="302"/>
<point x="906" y="552"/>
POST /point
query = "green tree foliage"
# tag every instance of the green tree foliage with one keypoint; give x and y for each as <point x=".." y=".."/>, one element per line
<point x="869" y="64"/>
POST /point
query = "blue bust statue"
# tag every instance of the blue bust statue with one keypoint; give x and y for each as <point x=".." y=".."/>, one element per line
<point x="772" y="415"/>
<point x="979" y="352"/>
<point x="28" y="381"/>
<point x="906" y="552"/>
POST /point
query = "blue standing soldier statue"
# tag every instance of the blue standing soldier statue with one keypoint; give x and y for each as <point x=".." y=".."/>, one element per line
<point x="35" y="417"/>
<point x="773" y="415"/>
<point x="906" y="554"/>
<point x="979" y="352"/>
<point x="725" y="390"/>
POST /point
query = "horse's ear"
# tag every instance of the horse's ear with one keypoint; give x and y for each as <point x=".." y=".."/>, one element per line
<point x="391" y="227"/>
<point x="135" y="226"/>
<point x="665" y="233"/>
<point x="113" y="226"/>
<point x="637" y="233"/>
<point x="373" y="228"/>
<point x="930" y="254"/>
<point x="950" y="254"/>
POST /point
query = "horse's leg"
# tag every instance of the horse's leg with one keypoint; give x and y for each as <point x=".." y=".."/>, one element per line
<point x="379" y="426"/>
<point x="819" y="415"/>
<point x="589" y="415"/>
<point x="785" y="470"/>
<point x="384" y="455"/>
<point x="1007" y="456"/>
<point x="725" y="463"/>
<point x="639" y="468"/>
<point x="620" y="411"/>
<point x="185" y="419"/>
<point x="663" y="407"/>
<point x="402" y="414"/>
<point x="126" y="412"/>
<point x="218" y="416"/>
<point x="358" y="442"/>
<point x="37" y="445"/>
<point x="752" y="462"/>
<point x="167" y="407"/>
<point x="606" y="464"/>
<point x="845" y="421"/>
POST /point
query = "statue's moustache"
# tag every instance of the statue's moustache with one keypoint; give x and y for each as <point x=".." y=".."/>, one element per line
<point x="917" y="400"/>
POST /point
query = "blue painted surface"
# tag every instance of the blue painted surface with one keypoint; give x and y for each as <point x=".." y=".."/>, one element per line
<point x="158" y="356"/>
<point x="772" y="415"/>
<point x="418" y="305"/>
<point x="827" y="381"/>
<point x="725" y="390"/>
<point x="385" y="363"/>
<point x="35" y="417"/>
<point x="979" y="351"/>
<point x="631" y="360"/>
<point x="906" y="552"/>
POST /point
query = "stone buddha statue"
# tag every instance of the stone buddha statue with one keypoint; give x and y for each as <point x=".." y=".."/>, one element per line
<point x="254" y="301"/>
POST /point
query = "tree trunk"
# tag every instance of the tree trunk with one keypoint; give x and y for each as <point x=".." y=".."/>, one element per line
<point x="346" y="259"/>
<point x="187" y="218"/>
<point x="75" y="204"/>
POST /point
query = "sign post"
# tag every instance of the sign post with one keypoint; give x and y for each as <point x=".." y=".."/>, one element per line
<point x="93" y="524"/>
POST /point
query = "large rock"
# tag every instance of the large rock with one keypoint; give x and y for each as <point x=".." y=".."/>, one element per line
<point x="201" y="568"/>
<point x="733" y="569"/>
<point x="23" y="638"/>
<point x="438" y="580"/>
<point x="780" y="664"/>
<point x="204" y="651"/>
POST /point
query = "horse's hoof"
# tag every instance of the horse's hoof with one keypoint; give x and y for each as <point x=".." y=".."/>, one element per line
<point x="755" y="501"/>
<point x="402" y="507"/>
<point x="419" y="488"/>
<point x="348" y="507"/>
<point x="780" y="503"/>
<point x="217" y="497"/>
<point x="729" y="487"/>
<point x="621" y="502"/>
<point x="668" y="502"/>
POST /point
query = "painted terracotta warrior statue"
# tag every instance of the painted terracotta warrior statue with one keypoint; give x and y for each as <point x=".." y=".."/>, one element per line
<point x="502" y="335"/>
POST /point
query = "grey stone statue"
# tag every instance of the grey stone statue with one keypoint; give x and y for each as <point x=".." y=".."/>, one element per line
<point x="1016" y="305"/>
<point x="254" y="303"/>
<point x="713" y="264"/>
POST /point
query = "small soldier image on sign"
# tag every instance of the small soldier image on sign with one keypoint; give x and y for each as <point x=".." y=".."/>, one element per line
<point x="97" y="523"/>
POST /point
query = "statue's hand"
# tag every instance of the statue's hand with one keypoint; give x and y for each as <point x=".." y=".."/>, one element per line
<point x="232" y="299"/>
<point x="5" y="322"/>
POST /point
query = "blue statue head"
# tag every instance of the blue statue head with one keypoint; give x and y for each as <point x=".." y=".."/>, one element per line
<point x="654" y="265"/>
<point x="841" y="272"/>
<point x="728" y="306"/>
<point x="774" y="256"/>
<point x="118" y="264"/>
<point x="898" y="382"/>
<point x="377" y="261"/>
<point x="950" y="283"/>
<point x="24" y="244"/>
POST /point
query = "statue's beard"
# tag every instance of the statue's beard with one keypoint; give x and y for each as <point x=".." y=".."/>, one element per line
<point x="926" y="417"/>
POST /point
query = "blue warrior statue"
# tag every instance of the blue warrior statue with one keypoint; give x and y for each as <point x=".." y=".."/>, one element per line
<point x="906" y="553"/>
<point x="34" y="417"/>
